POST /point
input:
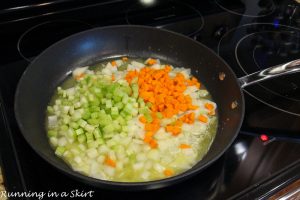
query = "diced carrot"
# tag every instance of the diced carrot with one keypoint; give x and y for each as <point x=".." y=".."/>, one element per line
<point x="143" y="119"/>
<point x="151" y="61"/>
<point x="79" y="76"/>
<point x="147" y="139"/>
<point x="149" y="134"/>
<point x="168" y="172"/>
<point x="184" y="146"/>
<point x="192" y="107"/>
<point x="166" y="95"/>
<point x="209" y="106"/>
<point x="176" y="130"/>
<point x="113" y="77"/>
<point x="153" y="144"/>
<point x="109" y="162"/>
<point x="203" y="118"/>
<point x="114" y="63"/>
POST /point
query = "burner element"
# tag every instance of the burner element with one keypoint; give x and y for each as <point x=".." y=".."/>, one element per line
<point x="259" y="46"/>
<point x="248" y="8"/>
<point x="162" y="14"/>
<point x="264" y="137"/>
<point x="33" y="41"/>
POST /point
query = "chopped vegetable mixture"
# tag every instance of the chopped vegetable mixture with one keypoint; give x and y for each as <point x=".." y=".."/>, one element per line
<point x="131" y="121"/>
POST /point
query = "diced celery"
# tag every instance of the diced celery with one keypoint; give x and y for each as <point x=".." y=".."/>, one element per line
<point x="149" y="104"/>
<point x="148" y="117"/>
<point x="92" y="144"/>
<point x="82" y="123"/>
<point x="74" y="125"/>
<point x="100" y="141"/>
<point x="89" y="136"/>
<point x="60" y="150"/>
<point x="79" y="131"/>
<point x="94" y="115"/>
<point x="108" y="128"/>
<point x="93" y="121"/>
<point x="66" y="119"/>
<point x="64" y="128"/>
<point x="125" y="99"/>
<point x="108" y="95"/>
<point x="121" y="120"/>
<point x="97" y="133"/>
<point x="119" y="105"/>
<point x="114" y="111"/>
<point x="135" y="89"/>
<point x="93" y="108"/>
<point x="89" y="128"/>
<point x="159" y="115"/>
<point x="128" y="108"/>
<point x="50" y="110"/>
<point x="52" y="133"/>
<point x="108" y="104"/>
<point x="81" y="138"/>
<point x="86" y="115"/>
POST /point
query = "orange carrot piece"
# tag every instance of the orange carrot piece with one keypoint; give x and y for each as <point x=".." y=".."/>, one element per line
<point x="149" y="134"/>
<point x="153" y="144"/>
<point x="203" y="118"/>
<point x="147" y="139"/>
<point x="114" y="63"/>
<point x="168" y="172"/>
<point x="79" y="76"/>
<point x="110" y="162"/>
<point x="209" y="106"/>
<point x="143" y="119"/>
<point x="185" y="146"/>
<point x="151" y="61"/>
<point x="113" y="77"/>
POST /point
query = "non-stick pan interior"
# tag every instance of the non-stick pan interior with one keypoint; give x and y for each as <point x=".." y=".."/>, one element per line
<point x="48" y="70"/>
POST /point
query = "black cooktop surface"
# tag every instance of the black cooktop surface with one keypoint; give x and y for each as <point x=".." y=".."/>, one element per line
<point x="249" y="35"/>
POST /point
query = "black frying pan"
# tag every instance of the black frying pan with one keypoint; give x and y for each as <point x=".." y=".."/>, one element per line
<point x="51" y="67"/>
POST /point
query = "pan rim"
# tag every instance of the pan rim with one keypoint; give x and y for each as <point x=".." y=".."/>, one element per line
<point x="134" y="185"/>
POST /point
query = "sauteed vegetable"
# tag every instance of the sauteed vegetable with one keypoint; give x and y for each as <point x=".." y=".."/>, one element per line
<point x="131" y="120"/>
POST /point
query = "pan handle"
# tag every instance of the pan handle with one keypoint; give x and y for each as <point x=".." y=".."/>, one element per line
<point x="269" y="73"/>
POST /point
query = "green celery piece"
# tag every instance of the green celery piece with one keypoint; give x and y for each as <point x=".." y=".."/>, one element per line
<point x="94" y="122"/>
<point x="119" y="105"/>
<point x="121" y="120"/>
<point x="79" y="131"/>
<point x="52" y="133"/>
<point x="50" y="110"/>
<point x="109" y="128"/>
<point x="97" y="133"/>
<point x="81" y="138"/>
<point x="92" y="144"/>
<point x="82" y="123"/>
<point x="159" y="115"/>
<point x="148" y="117"/>
<point x="74" y="125"/>
<point x="64" y="128"/>
<point x="89" y="136"/>
<point x="60" y="151"/>
<point x="86" y="115"/>
<point x="94" y="115"/>
<point x="100" y="141"/>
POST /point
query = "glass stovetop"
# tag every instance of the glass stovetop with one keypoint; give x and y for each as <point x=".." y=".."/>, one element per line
<point x="247" y="43"/>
